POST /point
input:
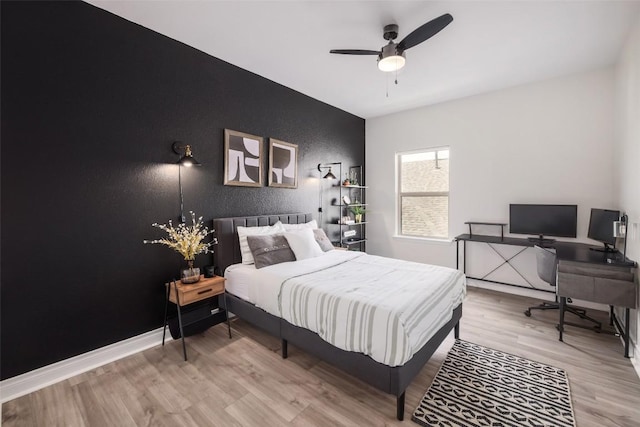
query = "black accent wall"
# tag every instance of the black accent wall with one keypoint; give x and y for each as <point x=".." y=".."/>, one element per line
<point x="91" y="104"/>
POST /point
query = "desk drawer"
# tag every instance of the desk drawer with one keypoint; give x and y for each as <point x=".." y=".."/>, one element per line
<point x="619" y="293"/>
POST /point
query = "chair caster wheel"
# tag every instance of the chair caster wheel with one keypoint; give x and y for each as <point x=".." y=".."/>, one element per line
<point x="527" y="313"/>
<point x="558" y="327"/>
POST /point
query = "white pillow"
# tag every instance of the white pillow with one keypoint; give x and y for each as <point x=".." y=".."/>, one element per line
<point x="303" y="243"/>
<point x="290" y="227"/>
<point x="243" y="232"/>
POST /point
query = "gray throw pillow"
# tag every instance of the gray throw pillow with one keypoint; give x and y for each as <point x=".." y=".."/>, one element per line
<point x="322" y="239"/>
<point x="270" y="249"/>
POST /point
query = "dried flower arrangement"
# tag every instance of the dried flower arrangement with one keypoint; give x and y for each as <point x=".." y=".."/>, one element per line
<point x="186" y="239"/>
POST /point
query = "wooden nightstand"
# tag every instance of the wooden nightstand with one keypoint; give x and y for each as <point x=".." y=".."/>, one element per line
<point x="182" y="295"/>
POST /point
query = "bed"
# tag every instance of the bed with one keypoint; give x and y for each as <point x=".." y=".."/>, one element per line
<point x="390" y="375"/>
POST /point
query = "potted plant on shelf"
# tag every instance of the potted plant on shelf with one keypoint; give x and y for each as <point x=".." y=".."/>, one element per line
<point x="358" y="211"/>
<point x="187" y="240"/>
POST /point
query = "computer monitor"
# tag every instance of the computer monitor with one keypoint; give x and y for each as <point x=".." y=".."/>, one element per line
<point x="543" y="220"/>
<point x="601" y="228"/>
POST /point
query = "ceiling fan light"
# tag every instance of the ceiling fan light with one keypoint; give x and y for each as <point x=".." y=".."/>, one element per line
<point x="391" y="63"/>
<point x="390" y="59"/>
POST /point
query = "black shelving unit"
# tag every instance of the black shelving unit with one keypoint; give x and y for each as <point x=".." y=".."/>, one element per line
<point x="353" y="235"/>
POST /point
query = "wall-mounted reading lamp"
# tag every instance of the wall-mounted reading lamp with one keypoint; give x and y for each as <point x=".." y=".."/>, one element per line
<point x="187" y="160"/>
<point x="328" y="175"/>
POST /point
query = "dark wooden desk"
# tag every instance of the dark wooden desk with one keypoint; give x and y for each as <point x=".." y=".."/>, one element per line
<point x="571" y="252"/>
<point x="566" y="251"/>
<point x="581" y="252"/>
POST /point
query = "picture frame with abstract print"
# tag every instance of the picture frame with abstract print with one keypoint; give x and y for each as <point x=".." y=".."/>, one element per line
<point x="283" y="164"/>
<point x="242" y="159"/>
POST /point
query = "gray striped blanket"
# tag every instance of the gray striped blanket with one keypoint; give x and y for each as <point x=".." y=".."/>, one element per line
<point x="382" y="307"/>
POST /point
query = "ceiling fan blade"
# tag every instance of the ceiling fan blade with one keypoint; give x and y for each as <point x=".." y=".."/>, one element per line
<point x="425" y="32"/>
<point x="355" y="52"/>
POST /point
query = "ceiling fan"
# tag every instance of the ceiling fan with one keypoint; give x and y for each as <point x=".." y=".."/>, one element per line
<point x="391" y="57"/>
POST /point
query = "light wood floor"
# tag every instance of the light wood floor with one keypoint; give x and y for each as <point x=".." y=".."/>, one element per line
<point x="244" y="382"/>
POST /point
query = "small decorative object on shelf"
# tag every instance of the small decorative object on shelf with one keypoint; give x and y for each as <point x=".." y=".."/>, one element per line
<point x="347" y="220"/>
<point x="353" y="177"/>
<point x="358" y="211"/>
<point x="346" y="180"/>
<point x="349" y="233"/>
<point x="209" y="271"/>
<point x="187" y="240"/>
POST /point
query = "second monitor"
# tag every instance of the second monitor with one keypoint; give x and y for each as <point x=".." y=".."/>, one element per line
<point x="601" y="228"/>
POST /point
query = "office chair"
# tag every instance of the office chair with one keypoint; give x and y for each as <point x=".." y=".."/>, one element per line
<point x="547" y="266"/>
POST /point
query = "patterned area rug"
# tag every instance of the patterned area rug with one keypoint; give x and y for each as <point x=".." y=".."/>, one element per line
<point x="479" y="386"/>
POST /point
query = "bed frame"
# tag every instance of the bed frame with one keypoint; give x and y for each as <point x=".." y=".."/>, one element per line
<point x="392" y="380"/>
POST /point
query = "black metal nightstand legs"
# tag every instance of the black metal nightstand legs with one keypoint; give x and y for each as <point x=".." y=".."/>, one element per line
<point x="184" y="346"/>
<point x="226" y="311"/>
<point x="166" y="307"/>
<point x="208" y="289"/>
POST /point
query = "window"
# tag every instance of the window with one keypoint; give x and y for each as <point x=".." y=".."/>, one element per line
<point x="423" y="193"/>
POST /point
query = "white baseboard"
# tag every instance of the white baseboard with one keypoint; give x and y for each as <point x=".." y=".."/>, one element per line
<point x="29" y="382"/>
<point x="532" y="293"/>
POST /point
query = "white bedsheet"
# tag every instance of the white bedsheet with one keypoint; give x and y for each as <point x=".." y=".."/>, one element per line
<point x="262" y="286"/>
<point x="385" y="308"/>
<point x="242" y="281"/>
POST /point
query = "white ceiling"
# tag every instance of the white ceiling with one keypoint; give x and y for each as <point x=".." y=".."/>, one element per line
<point x="488" y="46"/>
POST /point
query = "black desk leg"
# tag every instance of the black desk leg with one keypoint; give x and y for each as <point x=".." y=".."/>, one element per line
<point x="166" y="306"/>
<point x="610" y="315"/>
<point x="563" y="302"/>
<point x="464" y="257"/>
<point x="626" y="332"/>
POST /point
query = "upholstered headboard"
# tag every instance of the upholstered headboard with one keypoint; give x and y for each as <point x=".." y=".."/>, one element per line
<point x="227" y="251"/>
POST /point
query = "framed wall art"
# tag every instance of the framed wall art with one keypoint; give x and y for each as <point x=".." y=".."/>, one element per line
<point x="242" y="159"/>
<point x="283" y="164"/>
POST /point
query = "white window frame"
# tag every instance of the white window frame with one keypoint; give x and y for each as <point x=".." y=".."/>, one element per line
<point x="400" y="194"/>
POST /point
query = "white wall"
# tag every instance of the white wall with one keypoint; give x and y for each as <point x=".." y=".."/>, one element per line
<point x="627" y="156"/>
<point x="548" y="142"/>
